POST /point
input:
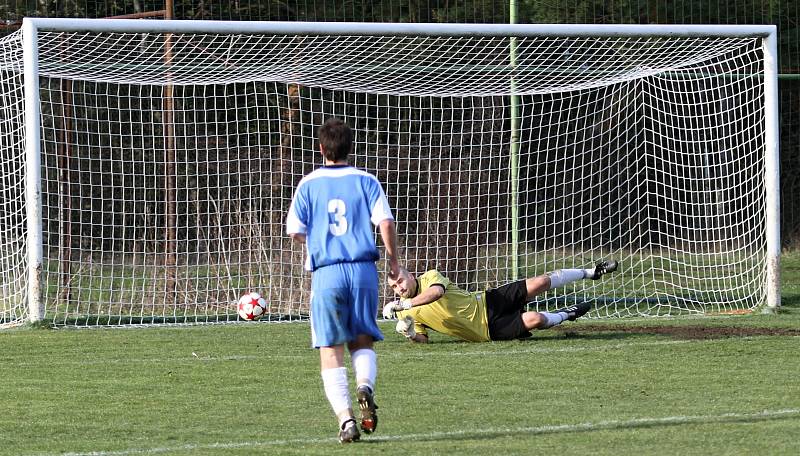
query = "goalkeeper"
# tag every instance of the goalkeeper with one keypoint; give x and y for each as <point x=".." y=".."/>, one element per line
<point x="433" y="302"/>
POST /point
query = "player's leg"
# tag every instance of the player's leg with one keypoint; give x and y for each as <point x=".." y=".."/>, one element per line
<point x="334" y="381"/>
<point x="364" y="360"/>
<point x="330" y="312"/>
<point x="363" y="356"/>
<point x="369" y="409"/>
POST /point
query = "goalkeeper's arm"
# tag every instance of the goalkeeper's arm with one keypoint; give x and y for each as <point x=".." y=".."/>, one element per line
<point x="406" y="327"/>
<point x="428" y="296"/>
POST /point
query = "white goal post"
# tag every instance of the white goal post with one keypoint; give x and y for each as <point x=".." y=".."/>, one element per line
<point x="146" y="166"/>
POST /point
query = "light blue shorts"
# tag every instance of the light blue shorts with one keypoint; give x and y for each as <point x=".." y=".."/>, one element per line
<point x="344" y="303"/>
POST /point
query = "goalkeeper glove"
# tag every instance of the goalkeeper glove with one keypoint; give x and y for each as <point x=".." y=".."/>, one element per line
<point x="388" y="311"/>
<point x="394" y="306"/>
<point x="406" y="327"/>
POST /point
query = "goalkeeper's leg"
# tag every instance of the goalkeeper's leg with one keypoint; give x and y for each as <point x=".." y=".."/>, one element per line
<point x="560" y="278"/>
<point x="563" y="277"/>
<point x="544" y="320"/>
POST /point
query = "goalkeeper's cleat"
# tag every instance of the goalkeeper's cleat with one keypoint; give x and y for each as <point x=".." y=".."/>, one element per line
<point x="349" y="432"/>
<point x="369" y="416"/>
<point x="575" y="311"/>
<point x="603" y="267"/>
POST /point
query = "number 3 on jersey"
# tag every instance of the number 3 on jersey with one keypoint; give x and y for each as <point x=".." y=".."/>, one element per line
<point x="336" y="211"/>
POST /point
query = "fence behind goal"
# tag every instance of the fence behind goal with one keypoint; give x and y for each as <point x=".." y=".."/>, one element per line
<point x="168" y="153"/>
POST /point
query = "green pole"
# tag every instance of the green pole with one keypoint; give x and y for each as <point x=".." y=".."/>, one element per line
<point x="514" y="151"/>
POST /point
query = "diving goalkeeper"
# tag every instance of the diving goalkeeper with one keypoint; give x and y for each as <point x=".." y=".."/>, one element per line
<point x="433" y="302"/>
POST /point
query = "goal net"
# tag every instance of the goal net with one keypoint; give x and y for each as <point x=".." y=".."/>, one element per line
<point x="168" y="154"/>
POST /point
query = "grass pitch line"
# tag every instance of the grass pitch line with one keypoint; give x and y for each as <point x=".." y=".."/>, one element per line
<point x="553" y="429"/>
<point x="193" y="357"/>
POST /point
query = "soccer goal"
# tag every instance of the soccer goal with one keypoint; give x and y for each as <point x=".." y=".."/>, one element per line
<point x="146" y="167"/>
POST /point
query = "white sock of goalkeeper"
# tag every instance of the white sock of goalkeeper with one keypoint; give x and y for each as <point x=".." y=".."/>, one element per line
<point x="563" y="277"/>
<point x="336" y="390"/>
<point x="365" y="365"/>
<point x="553" y="319"/>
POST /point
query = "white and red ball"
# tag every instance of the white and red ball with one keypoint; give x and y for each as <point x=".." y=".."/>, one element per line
<point x="252" y="306"/>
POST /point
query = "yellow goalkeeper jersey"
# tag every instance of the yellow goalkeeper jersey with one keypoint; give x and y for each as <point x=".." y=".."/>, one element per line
<point x="457" y="313"/>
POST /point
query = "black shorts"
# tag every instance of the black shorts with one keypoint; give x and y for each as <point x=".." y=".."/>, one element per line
<point x="504" y="309"/>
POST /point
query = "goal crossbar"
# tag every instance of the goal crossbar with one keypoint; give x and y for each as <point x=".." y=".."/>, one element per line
<point x="398" y="29"/>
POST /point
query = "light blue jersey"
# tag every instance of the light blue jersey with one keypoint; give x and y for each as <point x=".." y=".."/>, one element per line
<point x="335" y="207"/>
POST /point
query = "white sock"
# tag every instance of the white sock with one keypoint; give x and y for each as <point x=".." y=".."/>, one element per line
<point x="553" y="319"/>
<point x="365" y="366"/>
<point x="565" y="276"/>
<point x="335" y="383"/>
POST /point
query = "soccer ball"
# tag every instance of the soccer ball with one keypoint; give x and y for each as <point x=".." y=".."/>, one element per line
<point x="252" y="306"/>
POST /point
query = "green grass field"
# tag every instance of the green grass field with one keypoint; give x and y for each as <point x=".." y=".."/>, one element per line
<point x="716" y="385"/>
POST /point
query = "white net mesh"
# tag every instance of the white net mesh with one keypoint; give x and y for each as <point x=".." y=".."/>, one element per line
<point x="405" y="66"/>
<point x="13" y="261"/>
<point x="165" y="186"/>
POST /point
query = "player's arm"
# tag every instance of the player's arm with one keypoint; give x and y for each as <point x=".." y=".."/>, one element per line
<point x="297" y="218"/>
<point x="389" y="237"/>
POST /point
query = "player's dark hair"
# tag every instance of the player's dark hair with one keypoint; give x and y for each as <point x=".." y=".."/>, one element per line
<point x="336" y="139"/>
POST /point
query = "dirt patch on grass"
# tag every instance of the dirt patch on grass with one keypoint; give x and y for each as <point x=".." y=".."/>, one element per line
<point x="682" y="332"/>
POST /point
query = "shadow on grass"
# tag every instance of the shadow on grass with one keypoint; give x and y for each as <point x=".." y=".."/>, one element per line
<point x="628" y="332"/>
<point x="569" y="333"/>
<point x="547" y="335"/>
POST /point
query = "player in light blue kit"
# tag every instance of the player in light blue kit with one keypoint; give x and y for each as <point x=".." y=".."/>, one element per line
<point x="333" y="212"/>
